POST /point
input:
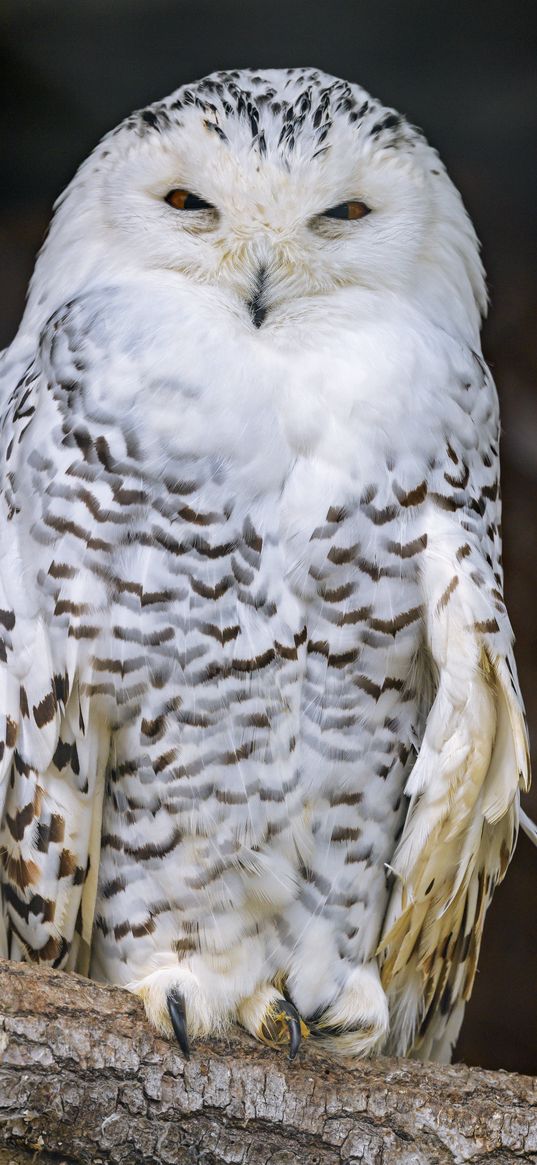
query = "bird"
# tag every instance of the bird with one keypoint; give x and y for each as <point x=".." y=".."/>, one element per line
<point x="262" y="735"/>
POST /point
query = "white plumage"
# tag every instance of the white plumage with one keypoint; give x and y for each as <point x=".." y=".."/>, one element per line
<point x="262" y="734"/>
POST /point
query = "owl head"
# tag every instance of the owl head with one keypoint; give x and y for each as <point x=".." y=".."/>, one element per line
<point x="281" y="194"/>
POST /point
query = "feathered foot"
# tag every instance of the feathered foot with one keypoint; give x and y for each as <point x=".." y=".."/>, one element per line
<point x="178" y="1003"/>
<point x="356" y="1022"/>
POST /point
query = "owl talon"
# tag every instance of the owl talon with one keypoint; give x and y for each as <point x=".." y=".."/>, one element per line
<point x="282" y="1024"/>
<point x="176" y="1008"/>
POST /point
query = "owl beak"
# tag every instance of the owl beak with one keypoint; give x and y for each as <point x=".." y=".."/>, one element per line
<point x="256" y="306"/>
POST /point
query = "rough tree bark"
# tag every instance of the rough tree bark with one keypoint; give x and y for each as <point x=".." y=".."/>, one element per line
<point x="84" y="1079"/>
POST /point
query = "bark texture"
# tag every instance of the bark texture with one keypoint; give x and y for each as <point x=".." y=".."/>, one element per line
<point x="83" y="1078"/>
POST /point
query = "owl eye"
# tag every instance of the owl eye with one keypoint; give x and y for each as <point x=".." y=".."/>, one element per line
<point x="184" y="200"/>
<point x="348" y="210"/>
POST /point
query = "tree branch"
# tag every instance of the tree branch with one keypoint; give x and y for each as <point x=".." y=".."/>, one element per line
<point x="83" y="1078"/>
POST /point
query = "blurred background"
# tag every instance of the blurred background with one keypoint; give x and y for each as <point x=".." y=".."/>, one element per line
<point x="466" y="72"/>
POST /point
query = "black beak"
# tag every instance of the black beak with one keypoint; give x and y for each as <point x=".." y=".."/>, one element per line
<point x="256" y="306"/>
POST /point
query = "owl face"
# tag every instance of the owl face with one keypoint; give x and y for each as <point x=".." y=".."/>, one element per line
<point x="280" y="189"/>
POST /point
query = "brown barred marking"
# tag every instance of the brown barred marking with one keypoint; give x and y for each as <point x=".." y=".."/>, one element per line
<point x="180" y="488"/>
<point x="124" y="586"/>
<point x="345" y="798"/>
<point x="237" y="754"/>
<point x="45" y="711"/>
<point x="66" y="607"/>
<point x="336" y="514"/>
<point x="487" y="626"/>
<point x="273" y="796"/>
<point x="36" y="905"/>
<point x="84" y="632"/>
<point x="67" y="864"/>
<point x="151" y="598"/>
<point x="184" y="946"/>
<point x="338" y="594"/>
<point x="445" y="503"/>
<point x="50" y="833"/>
<point x="334" y="659"/>
<point x="100" y="544"/>
<point x="463" y="552"/>
<point x="205" y="550"/>
<point x="226" y="797"/>
<point x="351" y="617"/>
<point x="376" y="571"/>
<point x="110" y="889"/>
<point x="198" y="519"/>
<point x="195" y="719"/>
<point x="99" y="690"/>
<point x="408" y="549"/>
<point x="459" y="482"/>
<point x="366" y="685"/>
<point x="157" y="638"/>
<point x="413" y="497"/>
<point x="61" y="570"/>
<point x="256" y="664"/>
<point x="213" y="592"/>
<point x="101" y="515"/>
<point x="368" y="494"/>
<point x="445" y="597"/>
<point x="243" y="574"/>
<point x="23" y="872"/>
<point x="392" y="626"/>
<point x="54" y="951"/>
<point x="342" y="554"/>
<point x="380" y="517"/>
<point x="62" y="755"/>
<point x="141" y="929"/>
<point x="222" y="635"/>
<point x="346" y="833"/>
<point x="153" y="728"/>
<point x="164" y="760"/>
<point x="115" y="666"/>
<point x="18" y="824"/>
<point x="128" y="497"/>
<point x="11" y="732"/>
<point x="64" y="526"/>
<point x="145" y="852"/>
<point x="251" y="537"/>
<point x="254" y="720"/>
<point x="286" y="652"/>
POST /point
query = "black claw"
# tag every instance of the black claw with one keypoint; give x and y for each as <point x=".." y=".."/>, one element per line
<point x="293" y="1025"/>
<point x="176" y="1008"/>
<point x="295" y="1037"/>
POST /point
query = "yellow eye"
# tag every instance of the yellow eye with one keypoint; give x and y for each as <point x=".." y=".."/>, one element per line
<point x="184" y="200"/>
<point x="348" y="210"/>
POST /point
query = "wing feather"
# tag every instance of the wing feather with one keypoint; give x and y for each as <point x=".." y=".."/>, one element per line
<point x="52" y="755"/>
<point x="462" y="820"/>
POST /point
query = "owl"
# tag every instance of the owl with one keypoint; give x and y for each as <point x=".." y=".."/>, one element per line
<point x="261" y="732"/>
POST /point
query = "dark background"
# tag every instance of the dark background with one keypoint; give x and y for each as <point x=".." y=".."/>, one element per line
<point x="467" y="73"/>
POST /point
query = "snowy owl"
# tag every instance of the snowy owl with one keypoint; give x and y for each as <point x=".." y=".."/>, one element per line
<point x="261" y="733"/>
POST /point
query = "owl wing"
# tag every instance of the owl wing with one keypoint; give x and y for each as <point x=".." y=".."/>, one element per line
<point x="52" y="750"/>
<point x="462" y="820"/>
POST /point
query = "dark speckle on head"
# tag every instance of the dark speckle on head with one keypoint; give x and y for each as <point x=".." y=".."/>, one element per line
<point x="313" y="104"/>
